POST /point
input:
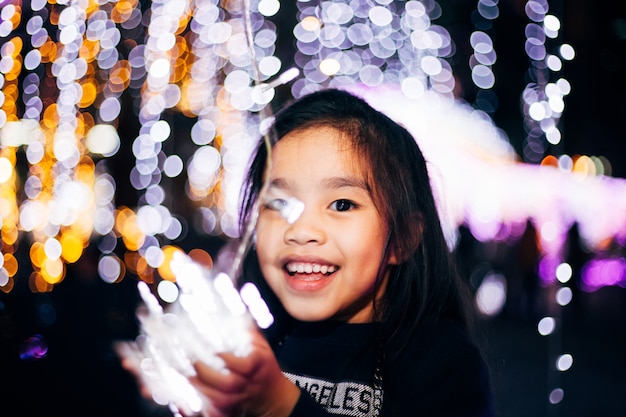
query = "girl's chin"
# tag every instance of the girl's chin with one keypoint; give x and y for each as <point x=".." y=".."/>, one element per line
<point x="307" y="310"/>
<point x="308" y="317"/>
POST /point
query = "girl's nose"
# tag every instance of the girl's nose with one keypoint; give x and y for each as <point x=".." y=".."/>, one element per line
<point x="306" y="229"/>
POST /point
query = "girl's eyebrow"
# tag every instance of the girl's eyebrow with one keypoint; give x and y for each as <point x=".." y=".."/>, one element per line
<point x="343" y="182"/>
<point x="279" y="183"/>
<point x="329" y="183"/>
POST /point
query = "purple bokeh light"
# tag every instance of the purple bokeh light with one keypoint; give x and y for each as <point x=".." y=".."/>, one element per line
<point x="599" y="273"/>
<point x="34" y="348"/>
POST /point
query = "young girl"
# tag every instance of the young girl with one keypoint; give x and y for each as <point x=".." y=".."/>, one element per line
<point x="371" y="317"/>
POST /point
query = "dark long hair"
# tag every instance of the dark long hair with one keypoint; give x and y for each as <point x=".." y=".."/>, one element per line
<point x="425" y="284"/>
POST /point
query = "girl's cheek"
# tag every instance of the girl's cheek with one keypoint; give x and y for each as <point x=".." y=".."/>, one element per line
<point x="265" y="231"/>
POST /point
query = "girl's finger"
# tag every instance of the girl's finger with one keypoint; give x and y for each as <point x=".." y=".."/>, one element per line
<point x="220" y="402"/>
<point x="239" y="365"/>
<point x="249" y="364"/>
<point x="221" y="379"/>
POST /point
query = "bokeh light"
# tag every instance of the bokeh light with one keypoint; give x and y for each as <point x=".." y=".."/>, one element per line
<point x="542" y="100"/>
<point x="34" y="348"/>
<point x="546" y="326"/>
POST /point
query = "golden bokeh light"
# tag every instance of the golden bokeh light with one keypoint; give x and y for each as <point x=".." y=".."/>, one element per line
<point x="48" y="51"/>
<point x="89" y="50"/>
<point x="130" y="260"/>
<point x="37" y="283"/>
<point x="133" y="236"/>
<point x="551" y="161"/>
<point x="10" y="264"/>
<point x="126" y="226"/>
<point x="145" y="271"/>
<point x="37" y="254"/>
<point x="50" y="117"/>
<point x="90" y="93"/>
<point x="53" y="271"/>
<point x="72" y="246"/>
<point x="584" y="166"/>
<point x="123" y="10"/>
<point x="165" y="269"/>
<point x="10" y="234"/>
<point x="202" y="257"/>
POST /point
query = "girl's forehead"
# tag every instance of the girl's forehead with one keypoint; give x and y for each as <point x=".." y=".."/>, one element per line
<point x="313" y="145"/>
<point x="318" y="139"/>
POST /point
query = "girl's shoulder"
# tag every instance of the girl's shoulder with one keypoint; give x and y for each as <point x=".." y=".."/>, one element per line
<point x="439" y="346"/>
<point x="441" y="371"/>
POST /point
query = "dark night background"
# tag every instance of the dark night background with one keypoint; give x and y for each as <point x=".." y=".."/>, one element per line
<point x="83" y="316"/>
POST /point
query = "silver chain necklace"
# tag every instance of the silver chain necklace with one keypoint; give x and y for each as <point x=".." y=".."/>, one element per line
<point x="378" y="382"/>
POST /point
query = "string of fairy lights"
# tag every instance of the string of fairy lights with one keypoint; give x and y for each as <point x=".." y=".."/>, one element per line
<point x="484" y="55"/>
<point x="543" y="104"/>
<point x="543" y="97"/>
<point x="65" y="66"/>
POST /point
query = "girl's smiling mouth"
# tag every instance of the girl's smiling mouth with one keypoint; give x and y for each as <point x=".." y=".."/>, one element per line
<point x="310" y="270"/>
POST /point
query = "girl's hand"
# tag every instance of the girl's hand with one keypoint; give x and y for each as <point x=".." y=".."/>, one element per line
<point x="253" y="385"/>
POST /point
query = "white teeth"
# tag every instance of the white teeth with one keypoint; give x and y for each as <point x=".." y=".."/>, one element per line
<point x="308" y="268"/>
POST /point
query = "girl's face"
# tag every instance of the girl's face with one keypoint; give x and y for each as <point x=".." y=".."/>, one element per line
<point x="324" y="265"/>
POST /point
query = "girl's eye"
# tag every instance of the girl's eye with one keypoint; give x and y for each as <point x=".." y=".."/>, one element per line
<point x="277" y="204"/>
<point x="342" y="205"/>
<point x="289" y="208"/>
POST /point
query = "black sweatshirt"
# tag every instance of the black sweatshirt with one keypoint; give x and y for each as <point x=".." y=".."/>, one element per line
<point x="440" y="373"/>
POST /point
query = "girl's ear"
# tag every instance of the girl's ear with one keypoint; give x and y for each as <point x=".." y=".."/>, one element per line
<point x="393" y="258"/>
<point x="402" y="249"/>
